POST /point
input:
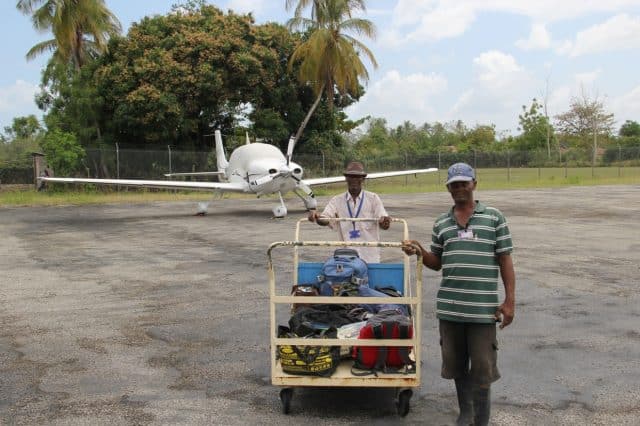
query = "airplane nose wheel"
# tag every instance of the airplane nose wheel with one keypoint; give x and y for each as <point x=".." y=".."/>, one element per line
<point x="280" y="211"/>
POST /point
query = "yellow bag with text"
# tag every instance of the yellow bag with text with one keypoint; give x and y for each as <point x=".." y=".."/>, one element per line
<point x="308" y="360"/>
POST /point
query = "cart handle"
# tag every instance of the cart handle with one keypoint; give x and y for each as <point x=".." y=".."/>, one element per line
<point x="340" y="244"/>
<point x="354" y="219"/>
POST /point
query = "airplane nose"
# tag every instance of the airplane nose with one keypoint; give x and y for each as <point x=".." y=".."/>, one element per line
<point x="284" y="170"/>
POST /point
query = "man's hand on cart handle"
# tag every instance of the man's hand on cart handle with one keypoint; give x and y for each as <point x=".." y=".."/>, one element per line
<point x="315" y="217"/>
<point x="385" y="222"/>
<point x="409" y="247"/>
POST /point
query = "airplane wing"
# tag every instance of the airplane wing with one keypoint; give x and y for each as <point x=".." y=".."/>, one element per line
<point x="162" y="184"/>
<point x="194" y="174"/>
<point x="334" y="179"/>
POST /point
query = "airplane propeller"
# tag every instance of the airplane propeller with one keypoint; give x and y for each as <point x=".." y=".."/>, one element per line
<point x="290" y="146"/>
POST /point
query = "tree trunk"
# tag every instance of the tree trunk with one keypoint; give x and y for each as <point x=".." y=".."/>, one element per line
<point x="77" y="52"/>
<point x="548" y="141"/>
<point x="308" y="117"/>
<point x="595" y="147"/>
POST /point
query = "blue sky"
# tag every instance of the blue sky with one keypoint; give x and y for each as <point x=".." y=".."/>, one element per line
<point x="439" y="60"/>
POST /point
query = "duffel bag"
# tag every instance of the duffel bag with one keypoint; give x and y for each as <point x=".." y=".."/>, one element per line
<point x="385" y="325"/>
<point x="308" y="360"/>
<point x="343" y="267"/>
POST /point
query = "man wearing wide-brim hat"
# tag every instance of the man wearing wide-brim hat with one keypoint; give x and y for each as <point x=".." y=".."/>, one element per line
<point x="356" y="203"/>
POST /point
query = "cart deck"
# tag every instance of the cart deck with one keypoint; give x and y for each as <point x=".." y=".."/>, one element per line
<point x="397" y="275"/>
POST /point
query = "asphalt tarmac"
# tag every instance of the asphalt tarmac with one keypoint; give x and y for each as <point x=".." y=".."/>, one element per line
<point x="145" y="314"/>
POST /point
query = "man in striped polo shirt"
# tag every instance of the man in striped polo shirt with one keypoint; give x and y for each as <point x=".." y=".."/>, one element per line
<point x="471" y="243"/>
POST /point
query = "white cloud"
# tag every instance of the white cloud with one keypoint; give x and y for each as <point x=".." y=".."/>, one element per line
<point x="559" y="101"/>
<point x="496" y="70"/>
<point x="390" y="39"/>
<point x="539" y="38"/>
<point x="17" y="100"/>
<point x="246" y="6"/>
<point x="587" y="79"/>
<point x="564" y="47"/>
<point x="377" y="12"/>
<point x="428" y="20"/>
<point x="620" y="32"/>
<point x="501" y="86"/>
<point x="551" y="10"/>
<point x="626" y="106"/>
<point x="17" y="96"/>
<point x="401" y="98"/>
<point x="443" y="23"/>
<point x="408" y="12"/>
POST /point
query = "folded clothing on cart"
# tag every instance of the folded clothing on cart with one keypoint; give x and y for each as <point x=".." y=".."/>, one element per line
<point x="313" y="319"/>
<point x="365" y="291"/>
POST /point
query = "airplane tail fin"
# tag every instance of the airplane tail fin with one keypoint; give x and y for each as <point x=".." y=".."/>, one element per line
<point x="221" y="157"/>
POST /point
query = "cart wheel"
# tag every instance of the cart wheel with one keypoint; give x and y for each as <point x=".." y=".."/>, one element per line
<point x="285" y="397"/>
<point x="402" y="404"/>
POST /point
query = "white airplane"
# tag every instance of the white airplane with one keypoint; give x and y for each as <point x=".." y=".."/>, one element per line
<point x="256" y="168"/>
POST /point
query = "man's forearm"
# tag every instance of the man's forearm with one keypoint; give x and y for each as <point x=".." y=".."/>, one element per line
<point x="430" y="260"/>
<point x="508" y="275"/>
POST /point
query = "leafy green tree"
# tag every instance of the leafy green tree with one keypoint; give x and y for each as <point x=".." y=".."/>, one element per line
<point x="329" y="58"/>
<point x="630" y="128"/>
<point x="62" y="151"/>
<point x="20" y="140"/>
<point x="71" y="102"/>
<point x="174" y="79"/>
<point x="405" y="138"/>
<point x="534" y="125"/>
<point x="376" y="141"/>
<point x="630" y="133"/>
<point x="586" y="119"/>
<point x="81" y="28"/>
<point x="439" y="138"/>
<point x="23" y="128"/>
<point x="479" y="139"/>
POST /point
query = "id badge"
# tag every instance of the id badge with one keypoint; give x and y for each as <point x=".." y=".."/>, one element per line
<point x="466" y="234"/>
<point x="353" y="234"/>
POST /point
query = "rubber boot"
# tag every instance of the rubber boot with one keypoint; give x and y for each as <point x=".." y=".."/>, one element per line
<point x="465" y="402"/>
<point x="481" y="405"/>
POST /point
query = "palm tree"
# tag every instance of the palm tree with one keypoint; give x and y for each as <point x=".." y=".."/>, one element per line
<point x="81" y="28"/>
<point x="330" y="58"/>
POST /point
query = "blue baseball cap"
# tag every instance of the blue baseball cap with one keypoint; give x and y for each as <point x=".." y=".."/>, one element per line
<point x="460" y="172"/>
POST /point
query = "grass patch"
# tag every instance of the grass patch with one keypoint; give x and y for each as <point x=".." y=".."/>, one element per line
<point x="77" y="196"/>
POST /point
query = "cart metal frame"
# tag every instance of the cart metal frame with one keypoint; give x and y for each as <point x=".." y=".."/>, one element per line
<point x="343" y="376"/>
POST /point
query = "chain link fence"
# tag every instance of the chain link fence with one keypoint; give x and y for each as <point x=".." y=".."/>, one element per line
<point x="147" y="164"/>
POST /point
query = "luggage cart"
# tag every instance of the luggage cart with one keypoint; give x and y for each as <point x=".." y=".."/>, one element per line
<point x="395" y="274"/>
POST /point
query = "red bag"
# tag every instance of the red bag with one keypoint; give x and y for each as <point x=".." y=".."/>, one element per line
<point x="384" y="358"/>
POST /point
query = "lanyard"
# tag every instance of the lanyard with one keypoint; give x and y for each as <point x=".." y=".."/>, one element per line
<point x="358" y="211"/>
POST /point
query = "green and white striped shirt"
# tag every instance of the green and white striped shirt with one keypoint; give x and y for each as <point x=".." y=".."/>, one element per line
<point x="469" y="288"/>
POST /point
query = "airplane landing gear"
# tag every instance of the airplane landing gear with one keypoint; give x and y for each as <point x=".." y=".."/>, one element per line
<point x="306" y="195"/>
<point x="202" y="209"/>
<point x="280" y="212"/>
